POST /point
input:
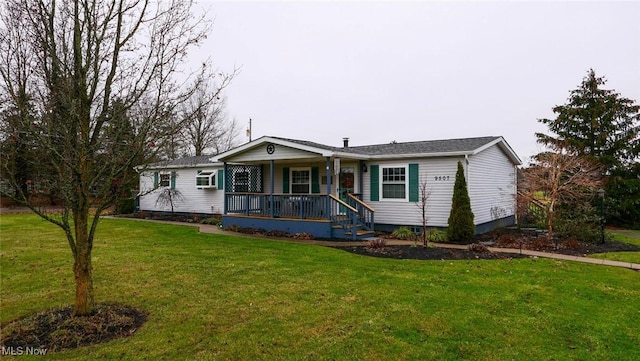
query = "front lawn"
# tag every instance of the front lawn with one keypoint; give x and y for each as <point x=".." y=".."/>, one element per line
<point x="626" y="236"/>
<point x="224" y="297"/>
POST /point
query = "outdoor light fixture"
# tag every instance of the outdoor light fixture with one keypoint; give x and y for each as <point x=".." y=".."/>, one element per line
<point x="602" y="221"/>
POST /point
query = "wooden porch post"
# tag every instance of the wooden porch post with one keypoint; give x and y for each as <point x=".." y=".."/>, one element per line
<point x="226" y="188"/>
<point x="272" y="186"/>
<point x="329" y="181"/>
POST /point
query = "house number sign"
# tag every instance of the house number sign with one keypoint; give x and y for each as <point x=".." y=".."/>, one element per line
<point x="441" y="178"/>
<point x="271" y="148"/>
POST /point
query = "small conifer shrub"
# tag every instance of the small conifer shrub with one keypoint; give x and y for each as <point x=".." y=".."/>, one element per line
<point x="461" y="228"/>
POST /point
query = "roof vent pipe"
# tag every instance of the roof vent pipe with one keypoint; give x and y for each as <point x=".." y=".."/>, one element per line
<point x="345" y="141"/>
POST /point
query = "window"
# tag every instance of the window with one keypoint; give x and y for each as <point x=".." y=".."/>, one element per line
<point x="206" y="179"/>
<point x="300" y="181"/>
<point x="165" y="179"/>
<point x="394" y="183"/>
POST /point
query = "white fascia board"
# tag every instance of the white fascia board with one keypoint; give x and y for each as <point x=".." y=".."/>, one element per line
<point x="343" y="155"/>
<point x="420" y="155"/>
<point x="183" y="166"/>
<point x="505" y="148"/>
<point x="266" y="140"/>
<point x="239" y="149"/>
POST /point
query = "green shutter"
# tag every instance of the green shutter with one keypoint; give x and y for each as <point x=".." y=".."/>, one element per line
<point x="156" y="179"/>
<point x="374" y="172"/>
<point x="220" y="179"/>
<point x="413" y="182"/>
<point x="285" y="180"/>
<point x="173" y="180"/>
<point x="315" y="180"/>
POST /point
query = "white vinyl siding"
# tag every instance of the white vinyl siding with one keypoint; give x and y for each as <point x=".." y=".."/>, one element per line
<point x="260" y="154"/>
<point x="439" y="199"/>
<point x="205" y="200"/>
<point x="492" y="185"/>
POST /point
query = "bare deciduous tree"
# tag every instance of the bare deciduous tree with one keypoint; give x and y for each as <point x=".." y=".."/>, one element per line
<point x="206" y="126"/>
<point x="560" y="178"/>
<point x="423" y="197"/>
<point x="102" y="80"/>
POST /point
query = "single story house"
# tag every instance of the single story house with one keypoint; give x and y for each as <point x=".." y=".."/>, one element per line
<point x="343" y="192"/>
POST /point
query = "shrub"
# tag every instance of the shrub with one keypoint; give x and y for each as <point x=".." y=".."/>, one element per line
<point x="478" y="248"/>
<point x="405" y="233"/>
<point x="581" y="222"/>
<point x="435" y="235"/>
<point x="277" y="233"/>
<point x="376" y="243"/>
<point x="214" y="221"/>
<point x="461" y="228"/>
<point x="126" y="206"/>
<point x="304" y="236"/>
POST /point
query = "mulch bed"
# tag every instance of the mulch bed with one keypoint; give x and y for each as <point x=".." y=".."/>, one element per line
<point x="427" y="253"/>
<point x="505" y="238"/>
<point x="535" y="240"/>
<point x="58" y="329"/>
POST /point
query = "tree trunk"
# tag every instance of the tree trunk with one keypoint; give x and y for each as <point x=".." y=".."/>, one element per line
<point x="82" y="268"/>
<point x="551" y="216"/>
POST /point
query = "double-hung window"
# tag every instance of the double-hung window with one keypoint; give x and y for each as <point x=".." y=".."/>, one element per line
<point x="165" y="180"/>
<point x="300" y="181"/>
<point x="394" y="183"/>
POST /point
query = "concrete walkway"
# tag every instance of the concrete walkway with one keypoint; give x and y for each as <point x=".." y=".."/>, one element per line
<point x="206" y="228"/>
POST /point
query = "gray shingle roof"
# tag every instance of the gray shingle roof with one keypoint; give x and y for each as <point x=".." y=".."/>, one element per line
<point x="182" y="162"/>
<point x="308" y="143"/>
<point x="422" y="147"/>
<point x="462" y="145"/>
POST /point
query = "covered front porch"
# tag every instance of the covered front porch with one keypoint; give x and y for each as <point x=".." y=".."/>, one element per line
<point x="296" y="192"/>
<point x="323" y="216"/>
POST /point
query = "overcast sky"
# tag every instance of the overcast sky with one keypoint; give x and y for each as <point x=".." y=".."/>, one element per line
<point x="385" y="71"/>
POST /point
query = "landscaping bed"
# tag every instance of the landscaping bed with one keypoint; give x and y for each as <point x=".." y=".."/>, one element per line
<point x="58" y="329"/>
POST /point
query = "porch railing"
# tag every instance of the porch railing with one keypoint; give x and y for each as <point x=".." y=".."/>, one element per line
<point x="364" y="211"/>
<point x="344" y="215"/>
<point x="278" y="205"/>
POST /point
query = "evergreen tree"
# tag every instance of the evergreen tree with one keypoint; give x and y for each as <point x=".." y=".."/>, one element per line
<point x="461" y="228"/>
<point x="601" y="124"/>
<point x="598" y="123"/>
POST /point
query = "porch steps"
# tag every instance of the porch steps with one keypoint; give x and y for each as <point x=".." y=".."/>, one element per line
<point x="360" y="233"/>
<point x="340" y="232"/>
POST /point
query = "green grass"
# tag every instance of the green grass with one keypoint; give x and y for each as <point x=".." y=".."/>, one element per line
<point x="626" y="236"/>
<point x="223" y="297"/>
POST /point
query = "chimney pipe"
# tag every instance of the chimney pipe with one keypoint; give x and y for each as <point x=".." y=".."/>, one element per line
<point x="345" y="142"/>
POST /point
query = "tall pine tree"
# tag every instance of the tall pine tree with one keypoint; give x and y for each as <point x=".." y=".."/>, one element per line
<point x="597" y="123"/>
<point x="601" y="124"/>
<point x="461" y="228"/>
